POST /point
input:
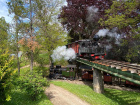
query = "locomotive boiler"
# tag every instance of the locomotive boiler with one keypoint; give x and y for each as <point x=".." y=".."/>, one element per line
<point x="88" y="48"/>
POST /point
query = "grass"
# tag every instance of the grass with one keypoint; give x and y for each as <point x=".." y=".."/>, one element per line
<point x="110" y="97"/>
<point x="21" y="98"/>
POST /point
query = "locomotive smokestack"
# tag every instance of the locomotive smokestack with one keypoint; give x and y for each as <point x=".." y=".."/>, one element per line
<point x="96" y="38"/>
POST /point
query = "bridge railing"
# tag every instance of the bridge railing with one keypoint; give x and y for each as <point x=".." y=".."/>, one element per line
<point x="126" y="75"/>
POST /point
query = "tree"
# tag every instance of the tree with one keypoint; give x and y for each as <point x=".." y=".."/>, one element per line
<point x="4" y="27"/>
<point x="80" y="17"/>
<point x="28" y="40"/>
<point x="50" y="33"/>
<point x="125" y="16"/>
<point x="17" y="8"/>
<point x="31" y="36"/>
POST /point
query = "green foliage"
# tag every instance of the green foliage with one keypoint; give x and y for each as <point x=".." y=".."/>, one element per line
<point x="133" y="54"/>
<point x="24" y="61"/>
<point x="3" y="33"/>
<point x="116" y="20"/>
<point x="20" y="97"/>
<point x="52" y="37"/>
<point x="50" y="34"/>
<point x="122" y="14"/>
<point x="16" y="7"/>
<point x="19" y="94"/>
<point x="6" y="74"/>
<point x="42" y="59"/>
<point x="110" y="97"/>
<point x="61" y="62"/>
<point x="42" y="70"/>
<point x="34" y="84"/>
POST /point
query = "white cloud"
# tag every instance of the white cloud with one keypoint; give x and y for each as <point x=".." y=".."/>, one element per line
<point x="4" y="11"/>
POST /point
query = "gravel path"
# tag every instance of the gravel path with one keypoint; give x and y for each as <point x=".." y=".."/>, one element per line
<point x="60" y="96"/>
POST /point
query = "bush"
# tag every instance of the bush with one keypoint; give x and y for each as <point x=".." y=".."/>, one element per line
<point x="34" y="84"/>
<point x="6" y="75"/>
<point x="42" y="70"/>
<point x="42" y="59"/>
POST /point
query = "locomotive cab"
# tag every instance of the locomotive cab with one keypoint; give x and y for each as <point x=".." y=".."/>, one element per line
<point x="88" y="48"/>
<point x="91" y="49"/>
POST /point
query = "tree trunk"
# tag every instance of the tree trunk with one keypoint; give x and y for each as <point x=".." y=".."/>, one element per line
<point x="18" y="64"/>
<point x="31" y="62"/>
<point x="31" y="35"/>
<point x="98" y="84"/>
<point x="17" y="49"/>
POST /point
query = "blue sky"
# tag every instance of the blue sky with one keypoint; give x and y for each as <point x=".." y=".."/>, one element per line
<point x="4" y="11"/>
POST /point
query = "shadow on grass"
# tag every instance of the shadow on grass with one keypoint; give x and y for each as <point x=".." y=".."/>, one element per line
<point x="122" y="97"/>
<point x="21" y="98"/>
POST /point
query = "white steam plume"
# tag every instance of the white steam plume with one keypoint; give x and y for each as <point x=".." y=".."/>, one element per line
<point x="112" y="33"/>
<point x="102" y="32"/>
<point x="62" y="52"/>
<point x="91" y="13"/>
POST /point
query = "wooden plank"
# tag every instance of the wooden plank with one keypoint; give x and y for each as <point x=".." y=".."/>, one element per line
<point x="132" y="70"/>
<point x="124" y="69"/>
<point x="118" y="67"/>
<point x="124" y="66"/>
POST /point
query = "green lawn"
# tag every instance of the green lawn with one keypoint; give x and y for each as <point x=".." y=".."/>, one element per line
<point x="110" y="97"/>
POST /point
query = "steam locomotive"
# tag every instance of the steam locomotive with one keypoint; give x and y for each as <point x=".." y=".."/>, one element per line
<point x="88" y="48"/>
<point x="59" y="72"/>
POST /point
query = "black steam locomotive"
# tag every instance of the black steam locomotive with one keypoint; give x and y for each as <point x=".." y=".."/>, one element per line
<point x="59" y="72"/>
<point x="90" y="49"/>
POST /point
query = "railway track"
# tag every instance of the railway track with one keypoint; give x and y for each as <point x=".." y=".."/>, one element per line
<point x="124" y="66"/>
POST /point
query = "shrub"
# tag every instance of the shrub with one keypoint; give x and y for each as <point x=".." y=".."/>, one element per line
<point x="6" y="75"/>
<point x="43" y="70"/>
<point x="34" y="84"/>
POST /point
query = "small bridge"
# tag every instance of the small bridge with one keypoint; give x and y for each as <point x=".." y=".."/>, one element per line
<point x="122" y="70"/>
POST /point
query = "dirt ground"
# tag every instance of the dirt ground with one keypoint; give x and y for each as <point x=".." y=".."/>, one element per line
<point x="60" y="96"/>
